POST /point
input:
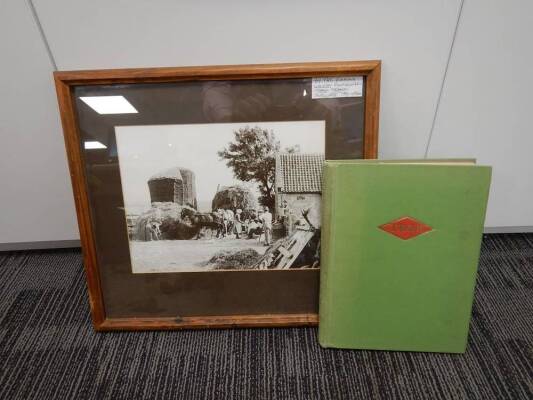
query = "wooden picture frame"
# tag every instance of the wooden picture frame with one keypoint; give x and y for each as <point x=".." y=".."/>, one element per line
<point x="104" y="315"/>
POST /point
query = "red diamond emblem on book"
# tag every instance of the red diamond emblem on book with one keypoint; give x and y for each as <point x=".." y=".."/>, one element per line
<point x="405" y="228"/>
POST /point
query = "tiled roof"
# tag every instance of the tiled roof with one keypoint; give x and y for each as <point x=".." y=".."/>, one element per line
<point x="299" y="173"/>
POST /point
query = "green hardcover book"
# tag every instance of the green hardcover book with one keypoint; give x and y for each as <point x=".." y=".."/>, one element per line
<point x="400" y="250"/>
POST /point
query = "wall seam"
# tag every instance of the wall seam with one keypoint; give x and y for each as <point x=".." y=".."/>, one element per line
<point x="42" y="34"/>
<point x="444" y="75"/>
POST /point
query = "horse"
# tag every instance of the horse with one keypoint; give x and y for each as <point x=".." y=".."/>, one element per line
<point x="204" y="221"/>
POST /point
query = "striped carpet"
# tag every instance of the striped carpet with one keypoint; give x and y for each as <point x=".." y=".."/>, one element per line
<point x="48" y="349"/>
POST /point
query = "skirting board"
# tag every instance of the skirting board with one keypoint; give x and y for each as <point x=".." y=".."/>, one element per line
<point x="66" y="244"/>
<point x="40" y="245"/>
<point x="508" y="229"/>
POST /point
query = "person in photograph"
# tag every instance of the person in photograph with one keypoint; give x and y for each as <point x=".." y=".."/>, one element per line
<point x="245" y="224"/>
<point x="266" y="218"/>
<point x="222" y="216"/>
<point x="238" y="223"/>
<point x="259" y="223"/>
<point x="229" y="219"/>
<point x="152" y="230"/>
<point x="254" y="228"/>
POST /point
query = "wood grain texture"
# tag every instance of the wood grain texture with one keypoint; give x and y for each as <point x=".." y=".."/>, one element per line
<point x="81" y="199"/>
<point x="217" y="72"/>
<point x="231" y="321"/>
<point x="65" y="82"/>
<point x="372" y="93"/>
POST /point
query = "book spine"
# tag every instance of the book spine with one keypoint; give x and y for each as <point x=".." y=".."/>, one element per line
<point x="480" y="227"/>
<point x="326" y="240"/>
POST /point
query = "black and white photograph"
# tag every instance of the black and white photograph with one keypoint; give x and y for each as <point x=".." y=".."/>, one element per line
<point x="226" y="196"/>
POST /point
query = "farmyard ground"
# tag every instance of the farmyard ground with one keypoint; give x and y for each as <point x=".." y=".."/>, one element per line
<point x="184" y="255"/>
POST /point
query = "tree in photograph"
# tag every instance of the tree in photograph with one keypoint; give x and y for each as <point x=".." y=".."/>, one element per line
<point x="252" y="157"/>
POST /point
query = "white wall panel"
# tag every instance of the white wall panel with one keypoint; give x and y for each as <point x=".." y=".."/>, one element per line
<point x="483" y="113"/>
<point x="486" y="107"/>
<point x="36" y="201"/>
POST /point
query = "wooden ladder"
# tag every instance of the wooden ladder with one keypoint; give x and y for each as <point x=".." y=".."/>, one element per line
<point x="283" y="253"/>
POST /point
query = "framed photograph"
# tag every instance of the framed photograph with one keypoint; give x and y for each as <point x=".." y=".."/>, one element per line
<point x="198" y="189"/>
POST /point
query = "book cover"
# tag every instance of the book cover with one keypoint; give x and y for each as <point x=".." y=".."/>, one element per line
<point x="400" y="250"/>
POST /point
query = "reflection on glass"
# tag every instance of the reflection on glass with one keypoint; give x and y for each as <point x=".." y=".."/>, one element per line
<point x="170" y="117"/>
<point x="91" y="145"/>
<point x="109" y="104"/>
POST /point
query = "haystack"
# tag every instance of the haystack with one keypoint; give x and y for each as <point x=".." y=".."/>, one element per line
<point x="173" y="185"/>
<point x="234" y="197"/>
<point x="163" y="222"/>
<point x="241" y="259"/>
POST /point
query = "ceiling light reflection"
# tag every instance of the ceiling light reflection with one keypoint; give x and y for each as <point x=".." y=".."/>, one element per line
<point x="91" y="145"/>
<point x="109" y="104"/>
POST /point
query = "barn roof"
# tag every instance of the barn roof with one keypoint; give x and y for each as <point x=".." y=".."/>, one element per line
<point x="299" y="173"/>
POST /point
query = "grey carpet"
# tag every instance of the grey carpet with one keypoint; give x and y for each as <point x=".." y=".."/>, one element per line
<point x="48" y="349"/>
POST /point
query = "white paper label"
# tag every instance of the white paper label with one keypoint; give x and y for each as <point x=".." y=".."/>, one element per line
<point x="333" y="87"/>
